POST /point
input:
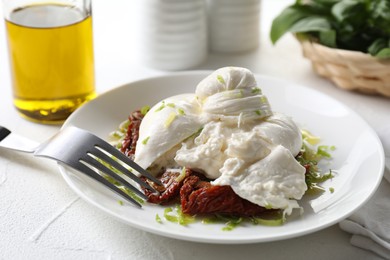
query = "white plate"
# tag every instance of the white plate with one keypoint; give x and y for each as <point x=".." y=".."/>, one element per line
<point x="358" y="159"/>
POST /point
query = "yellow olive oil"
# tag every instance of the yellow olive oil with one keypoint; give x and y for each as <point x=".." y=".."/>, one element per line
<point x="52" y="61"/>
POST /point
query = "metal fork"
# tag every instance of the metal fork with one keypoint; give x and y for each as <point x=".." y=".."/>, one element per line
<point x="87" y="153"/>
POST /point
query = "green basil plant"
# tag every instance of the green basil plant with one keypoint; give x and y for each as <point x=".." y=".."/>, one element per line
<point x="357" y="25"/>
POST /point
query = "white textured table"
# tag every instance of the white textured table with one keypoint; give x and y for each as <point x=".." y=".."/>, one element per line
<point x="42" y="218"/>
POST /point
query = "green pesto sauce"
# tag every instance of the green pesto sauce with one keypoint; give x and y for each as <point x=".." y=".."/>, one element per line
<point x="229" y="223"/>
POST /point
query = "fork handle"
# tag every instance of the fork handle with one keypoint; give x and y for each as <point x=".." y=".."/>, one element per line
<point x="10" y="140"/>
<point x="4" y="132"/>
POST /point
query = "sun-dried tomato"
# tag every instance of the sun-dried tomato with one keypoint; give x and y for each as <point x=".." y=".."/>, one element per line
<point x="130" y="141"/>
<point x="169" y="191"/>
<point x="200" y="197"/>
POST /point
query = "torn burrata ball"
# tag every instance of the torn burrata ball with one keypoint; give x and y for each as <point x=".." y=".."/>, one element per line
<point x="228" y="131"/>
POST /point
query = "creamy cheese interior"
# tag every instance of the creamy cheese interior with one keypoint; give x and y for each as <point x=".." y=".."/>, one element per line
<point x="227" y="130"/>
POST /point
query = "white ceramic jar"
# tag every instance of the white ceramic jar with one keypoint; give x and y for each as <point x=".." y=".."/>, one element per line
<point x="234" y="25"/>
<point x="174" y="35"/>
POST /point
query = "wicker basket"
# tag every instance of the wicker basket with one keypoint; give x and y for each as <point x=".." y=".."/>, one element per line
<point x="350" y="70"/>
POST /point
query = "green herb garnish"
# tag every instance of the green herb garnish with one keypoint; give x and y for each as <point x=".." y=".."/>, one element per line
<point x="220" y="79"/>
<point x="129" y="192"/>
<point x="119" y="134"/>
<point x="229" y="222"/>
<point x="232" y="224"/>
<point x="323" y="150"/>
<point x="170" y="119"/>
<point x="181" y="111"/>
<point x="256" y="90"/>
<point x="263" y="99"/>
<point x="272" y="218"/>
<point x="268" y="222"/>
<point x="176" y="215"/>
<point x="309" y="158"/>
<point x="161" y="107"/>
<point x="145" y="141"/>
<point x="145" y="109"/>
<point x="158" y="219"/>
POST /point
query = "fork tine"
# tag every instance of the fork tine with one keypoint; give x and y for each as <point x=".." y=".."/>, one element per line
<point x="91" y="173"/>
<point x="105" y="169"/>
<point x="110" y="161"/>
<point x="116" y="153"/>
